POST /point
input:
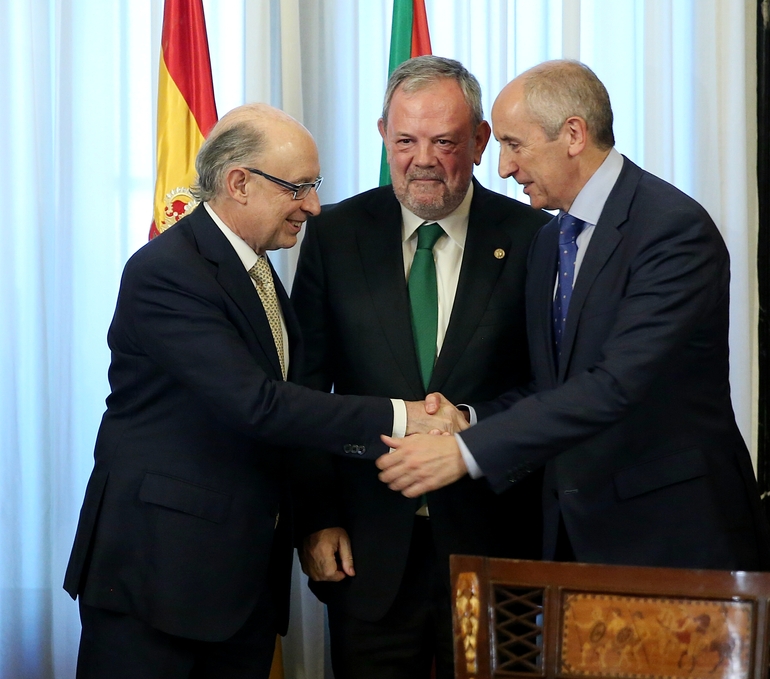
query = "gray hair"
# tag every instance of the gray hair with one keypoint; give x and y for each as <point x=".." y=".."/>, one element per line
<point x="415" y="74"/>
<point x="557" y="90"/>
<point x="237" y="144"/>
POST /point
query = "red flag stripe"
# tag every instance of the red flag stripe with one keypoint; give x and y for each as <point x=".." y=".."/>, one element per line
<point x="420" y="34"/>
<point x="186" y="54"/>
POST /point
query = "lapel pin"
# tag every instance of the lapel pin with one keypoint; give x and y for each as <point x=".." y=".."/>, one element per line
<point x="499" y="253"/>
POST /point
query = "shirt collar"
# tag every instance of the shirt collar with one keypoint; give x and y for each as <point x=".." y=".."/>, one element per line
<point x="455" y="225"/>
<point x="589" y="203"/>
<point x="247" y="256"/>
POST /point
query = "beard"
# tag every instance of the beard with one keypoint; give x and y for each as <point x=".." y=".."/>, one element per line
<point x="429" y="203"/>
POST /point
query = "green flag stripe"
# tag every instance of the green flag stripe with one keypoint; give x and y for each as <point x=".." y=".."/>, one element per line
<point x="400" y="51"/>
<point x="401" y="34"/>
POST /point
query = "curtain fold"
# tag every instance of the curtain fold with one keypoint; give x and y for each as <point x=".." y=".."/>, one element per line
<point x="761" y="17"/>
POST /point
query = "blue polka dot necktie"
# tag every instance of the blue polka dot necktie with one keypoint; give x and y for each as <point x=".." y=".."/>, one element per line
<point x="569" y="230"/>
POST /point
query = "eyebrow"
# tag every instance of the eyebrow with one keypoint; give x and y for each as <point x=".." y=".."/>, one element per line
<point x="440" y="135"/>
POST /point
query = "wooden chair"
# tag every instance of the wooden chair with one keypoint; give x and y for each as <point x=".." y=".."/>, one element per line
<point x="543" y="619"/>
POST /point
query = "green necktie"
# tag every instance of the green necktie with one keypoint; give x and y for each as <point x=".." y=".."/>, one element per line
<point x="423" y="298"/>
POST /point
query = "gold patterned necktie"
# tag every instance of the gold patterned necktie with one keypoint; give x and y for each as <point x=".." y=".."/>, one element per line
<point x="263" y="277"/>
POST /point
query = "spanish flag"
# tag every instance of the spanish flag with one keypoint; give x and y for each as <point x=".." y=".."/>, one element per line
<point x="186" y="109"/>
<point x="409" y="37"/>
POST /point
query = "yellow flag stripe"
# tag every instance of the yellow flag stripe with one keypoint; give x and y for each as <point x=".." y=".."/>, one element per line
<point x="179" y="139"/>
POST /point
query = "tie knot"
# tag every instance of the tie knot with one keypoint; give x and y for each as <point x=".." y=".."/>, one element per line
<point x="427" y="235"/>
<point x="570" y="229"/>
<point x="260" y="272"/>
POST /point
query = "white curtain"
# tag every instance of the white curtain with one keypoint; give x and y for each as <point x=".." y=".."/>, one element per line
<point x="76" y="176"/>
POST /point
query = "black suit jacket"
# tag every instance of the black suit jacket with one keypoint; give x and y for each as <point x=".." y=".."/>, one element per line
<point x="351" y="299"/>
<point x="635" y="427"/>
<point x="179" y="519"/>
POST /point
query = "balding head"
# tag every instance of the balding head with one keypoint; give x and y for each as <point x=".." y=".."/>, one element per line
<point x="250" y="170"/>
<point x="554" y="125"/>
<point x="242" y="137"/>
<point x="559" y="89"/>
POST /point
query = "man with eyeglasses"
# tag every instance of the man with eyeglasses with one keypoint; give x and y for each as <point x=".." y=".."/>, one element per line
<point x="183" y="551"/>
<point x="298" y="191"/>
<point x="380" y="560"/>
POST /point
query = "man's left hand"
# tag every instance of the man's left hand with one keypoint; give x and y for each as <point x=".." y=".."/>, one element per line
<point x="326" y="555"/>
<point x="421" y="463"/>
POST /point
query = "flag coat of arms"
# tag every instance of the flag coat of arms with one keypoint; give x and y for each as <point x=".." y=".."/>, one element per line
<point x="186" y="109"/>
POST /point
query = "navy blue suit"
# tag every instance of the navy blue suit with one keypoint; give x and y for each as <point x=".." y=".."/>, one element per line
<point x="635" y="428"/>
<point x="178" y="526"/>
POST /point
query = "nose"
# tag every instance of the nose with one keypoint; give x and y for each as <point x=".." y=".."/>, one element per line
<point x="311" y="204"/>
<point x="425" y="155"/>
<point x="506" y="166"/>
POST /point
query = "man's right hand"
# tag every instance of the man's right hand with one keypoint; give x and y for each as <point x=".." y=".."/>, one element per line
<point x="326" y="556"/>
<point x="434" y="414"/>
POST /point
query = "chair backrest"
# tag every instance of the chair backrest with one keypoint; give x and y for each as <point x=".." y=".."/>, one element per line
<point x="546" y="619"/>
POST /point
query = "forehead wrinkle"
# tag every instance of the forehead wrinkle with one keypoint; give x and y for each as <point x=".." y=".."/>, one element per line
<point x="437" y="101"/>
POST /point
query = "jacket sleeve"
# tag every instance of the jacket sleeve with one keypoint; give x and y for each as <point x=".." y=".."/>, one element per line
<point x="676" y="280"/>
<point x="172" y="310"/>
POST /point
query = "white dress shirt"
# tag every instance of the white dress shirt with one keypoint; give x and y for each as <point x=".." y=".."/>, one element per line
<point x="448" y="255"/>
<point x="589" y="203"/>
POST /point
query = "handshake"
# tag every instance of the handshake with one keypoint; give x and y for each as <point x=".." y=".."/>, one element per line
<point x="434" y="415"/>
<point x="418" y="463"/>
<point x="422" y="461"/>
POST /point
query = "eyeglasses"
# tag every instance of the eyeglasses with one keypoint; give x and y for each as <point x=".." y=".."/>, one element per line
<point x="300" y="190"/>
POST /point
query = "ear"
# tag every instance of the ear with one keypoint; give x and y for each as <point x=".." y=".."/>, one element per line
<point x="237" y="184"/>
<point x="576" y="131"/>
<point x="384" y="134"/>
<point x="480" y="141"/>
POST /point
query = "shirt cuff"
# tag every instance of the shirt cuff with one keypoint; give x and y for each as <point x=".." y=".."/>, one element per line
<point x="399" y="418"/>
<point x="474" y="471"/>
<point x="472" y="417"/>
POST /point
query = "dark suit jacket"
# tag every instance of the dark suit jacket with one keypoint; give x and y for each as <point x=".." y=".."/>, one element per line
<point x="179" y="518"/>
<point x="351" y="299"/>
<point x="643" y="458"/>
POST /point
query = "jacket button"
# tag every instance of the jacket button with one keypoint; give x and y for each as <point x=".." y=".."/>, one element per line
<point x="361" y="450"/>
<point x="346" y="447"/>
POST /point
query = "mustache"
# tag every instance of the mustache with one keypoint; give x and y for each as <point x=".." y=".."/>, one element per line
<point x="424" y="175"/>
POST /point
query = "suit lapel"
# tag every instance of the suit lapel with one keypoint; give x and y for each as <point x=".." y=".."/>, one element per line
<point x="292" y="324"/>
<point x="604" y="241"/>
<point x="235" y="281"/>
<point x="541" y="280"/>
<point x="478" y="276"/>
<point x="379" y="244"/>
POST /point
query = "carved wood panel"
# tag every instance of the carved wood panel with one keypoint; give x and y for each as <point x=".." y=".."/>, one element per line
<point x="655" y="638"/>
